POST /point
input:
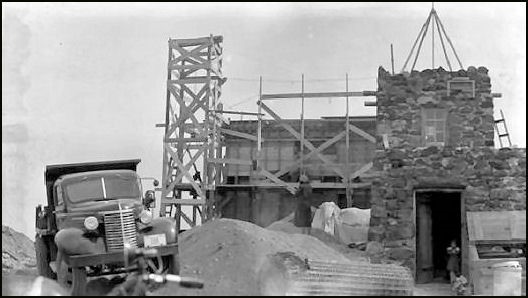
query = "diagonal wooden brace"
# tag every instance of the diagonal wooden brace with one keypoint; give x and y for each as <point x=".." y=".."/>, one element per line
<point x="189" y="165"/>
<point x="306" y="143"/>
<point x="274" y="178"/>
<point x="186" y="173"/>
<point x="362" y="133"/>
<point x="188" y="54"/>
<point x="319" y="149"/>
<point x="360" y="171"/>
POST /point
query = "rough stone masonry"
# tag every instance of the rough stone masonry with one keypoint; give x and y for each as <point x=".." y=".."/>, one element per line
<point x="491" y="179"/>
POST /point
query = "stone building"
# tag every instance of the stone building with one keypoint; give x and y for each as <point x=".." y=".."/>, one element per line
<point x="435" y="161"/>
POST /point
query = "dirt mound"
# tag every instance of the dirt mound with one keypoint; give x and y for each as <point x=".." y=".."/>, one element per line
<point x="229" y="255"/>
<point x="18" y="252"/>
<point x="286" y="225"/>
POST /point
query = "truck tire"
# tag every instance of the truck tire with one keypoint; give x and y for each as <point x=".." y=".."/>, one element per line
<point x="42" y="252"/>
<point x="65" y="276"/>
<point x="173" y="264"/>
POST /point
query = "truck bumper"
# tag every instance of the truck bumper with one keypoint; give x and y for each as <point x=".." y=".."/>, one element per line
<point x="116" y="257"/>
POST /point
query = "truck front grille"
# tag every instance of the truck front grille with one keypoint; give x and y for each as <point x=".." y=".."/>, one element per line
<point x="120" y="228"/>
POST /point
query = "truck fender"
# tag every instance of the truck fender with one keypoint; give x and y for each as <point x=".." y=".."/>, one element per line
<point x="161" y="225"/>
<point x="71" y="241"/>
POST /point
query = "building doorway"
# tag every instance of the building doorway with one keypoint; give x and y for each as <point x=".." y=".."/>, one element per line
<point x="438" y="221"/>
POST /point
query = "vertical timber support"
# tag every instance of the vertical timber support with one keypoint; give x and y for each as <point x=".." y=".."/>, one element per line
<point x="193" y="64"/>
<point x="347" y="146"/>
<point x="301" y="172"/>
<point x="259" y="131"/>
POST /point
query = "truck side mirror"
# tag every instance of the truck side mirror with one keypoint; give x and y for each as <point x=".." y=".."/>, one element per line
<point x="149" y="200"/>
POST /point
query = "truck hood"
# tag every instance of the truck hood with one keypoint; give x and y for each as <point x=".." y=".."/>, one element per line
<point x="110" y="205"/>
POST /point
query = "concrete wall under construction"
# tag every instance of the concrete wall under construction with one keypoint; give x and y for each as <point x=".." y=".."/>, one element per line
<point x="435" y="133"/>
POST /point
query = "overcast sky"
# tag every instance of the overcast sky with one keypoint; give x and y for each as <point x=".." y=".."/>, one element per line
<point x="86" y="82"/>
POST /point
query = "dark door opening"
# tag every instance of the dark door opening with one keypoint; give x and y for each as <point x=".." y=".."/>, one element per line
<point x="438" y="221"/>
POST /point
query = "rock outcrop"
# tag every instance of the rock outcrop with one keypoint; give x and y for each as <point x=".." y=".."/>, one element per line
<point x="18" y="253"/>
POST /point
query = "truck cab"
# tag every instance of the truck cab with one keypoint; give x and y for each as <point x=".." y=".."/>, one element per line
<point x="94" y="211"/>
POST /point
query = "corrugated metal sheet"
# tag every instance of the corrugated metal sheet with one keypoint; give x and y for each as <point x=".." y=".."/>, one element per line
<point x="496" y="225"/>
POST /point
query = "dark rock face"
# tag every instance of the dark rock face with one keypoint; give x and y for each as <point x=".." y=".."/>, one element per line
<point x="18" y="252"/>
<point x="490" y="179"/>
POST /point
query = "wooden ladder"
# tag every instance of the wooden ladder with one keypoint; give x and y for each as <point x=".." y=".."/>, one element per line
<point x="505" y="134"/>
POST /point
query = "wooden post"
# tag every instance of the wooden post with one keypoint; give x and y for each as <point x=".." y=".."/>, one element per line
<point x="347" y="146"/>
<point x="432" y="37"/>
<point x="392" y="62"/>
<point x="181" y="133"/>
<point x="421" y="41"/>
<point x="259" y="131"/>
<point x="205" y="175"/>
<point x="302" y="126"/>
<point x="165" y="174"/>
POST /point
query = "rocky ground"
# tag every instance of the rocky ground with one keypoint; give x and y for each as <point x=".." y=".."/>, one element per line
<point x="18" y="253"/>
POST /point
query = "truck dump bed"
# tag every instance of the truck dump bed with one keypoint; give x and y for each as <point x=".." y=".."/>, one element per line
<point x="53" y="172"/>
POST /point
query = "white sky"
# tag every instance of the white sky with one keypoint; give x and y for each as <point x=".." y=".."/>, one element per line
<point x="86" y="82"/>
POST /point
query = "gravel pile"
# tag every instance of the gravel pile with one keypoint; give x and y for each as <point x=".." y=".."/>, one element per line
<point x="229" y="256"/>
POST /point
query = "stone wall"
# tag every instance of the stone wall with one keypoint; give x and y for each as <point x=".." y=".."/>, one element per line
<point x="490" y="179"/>
<point x="401" y="98"/>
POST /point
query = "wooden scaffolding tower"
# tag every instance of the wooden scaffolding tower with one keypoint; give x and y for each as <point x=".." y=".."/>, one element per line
<point x="194" y="82"/>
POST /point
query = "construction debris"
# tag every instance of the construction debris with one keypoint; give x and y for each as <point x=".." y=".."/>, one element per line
<point x="286" y="225"/>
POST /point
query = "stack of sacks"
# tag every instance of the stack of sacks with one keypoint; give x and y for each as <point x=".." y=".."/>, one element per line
<point x="348" y="225"/>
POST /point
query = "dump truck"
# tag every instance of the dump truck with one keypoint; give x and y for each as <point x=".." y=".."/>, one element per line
<point x="94" y="211"/>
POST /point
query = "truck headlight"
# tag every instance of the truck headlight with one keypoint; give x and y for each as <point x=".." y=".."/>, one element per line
<point x="145" y="217"/>
<point x="91" y="223"/>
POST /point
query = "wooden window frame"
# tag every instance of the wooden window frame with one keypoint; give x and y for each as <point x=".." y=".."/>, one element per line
<point x="461" y="80"/>
<point x="444" y="127"/>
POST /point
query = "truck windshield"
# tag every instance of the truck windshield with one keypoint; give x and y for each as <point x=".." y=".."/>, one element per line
<point x="99" y="188"/>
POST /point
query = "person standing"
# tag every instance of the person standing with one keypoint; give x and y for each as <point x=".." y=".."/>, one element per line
<point x="303" y="211"/>
<point x="453" y="264"/>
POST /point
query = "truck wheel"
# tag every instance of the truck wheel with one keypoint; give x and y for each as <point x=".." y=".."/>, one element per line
<point x="43" y="257"/>
<point x="173" y="264"/>
<point x="79" y="281"/>
<point x="65" y="276"/>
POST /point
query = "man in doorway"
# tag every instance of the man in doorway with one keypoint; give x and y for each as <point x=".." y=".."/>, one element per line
<point x="303" y="211"/>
